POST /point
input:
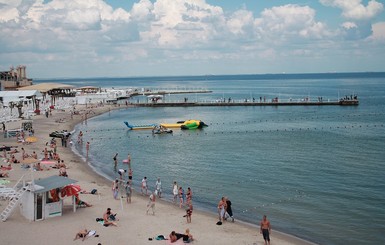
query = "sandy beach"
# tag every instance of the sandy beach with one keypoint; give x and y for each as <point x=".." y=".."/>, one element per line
<point x="134" y="226"/>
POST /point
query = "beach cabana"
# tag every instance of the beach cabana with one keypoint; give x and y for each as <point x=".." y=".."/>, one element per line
<point x="43" y="201"/>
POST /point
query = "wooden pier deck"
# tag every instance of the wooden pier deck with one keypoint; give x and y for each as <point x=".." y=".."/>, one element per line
<point x="288" y="103"/>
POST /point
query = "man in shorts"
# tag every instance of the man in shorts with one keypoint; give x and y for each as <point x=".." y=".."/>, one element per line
<point x="265" y="230"/>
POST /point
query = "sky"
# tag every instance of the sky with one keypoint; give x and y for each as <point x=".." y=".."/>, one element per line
<point x="127" y="38"/>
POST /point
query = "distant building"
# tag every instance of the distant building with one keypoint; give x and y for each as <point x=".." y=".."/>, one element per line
<point x="14" y="78"/>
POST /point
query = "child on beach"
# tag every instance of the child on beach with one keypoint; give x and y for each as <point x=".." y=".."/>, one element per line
<point x="144" y="186"/>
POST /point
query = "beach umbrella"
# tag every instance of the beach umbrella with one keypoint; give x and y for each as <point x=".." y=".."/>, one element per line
<point x="31" y="139"/>
<point x="71" y="190"/>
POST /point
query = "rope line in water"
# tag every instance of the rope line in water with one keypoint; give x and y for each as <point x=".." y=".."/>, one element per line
<point x="300" y="119"/>
<point x="200" y="133"/>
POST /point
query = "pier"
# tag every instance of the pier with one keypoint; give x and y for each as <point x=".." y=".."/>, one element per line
<point x="275" y="103"/>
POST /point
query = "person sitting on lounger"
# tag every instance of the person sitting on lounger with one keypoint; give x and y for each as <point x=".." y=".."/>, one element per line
<point x="81" y="234"/>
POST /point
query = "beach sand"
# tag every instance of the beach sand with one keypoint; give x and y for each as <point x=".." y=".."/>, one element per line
<point x="134" y="226"/>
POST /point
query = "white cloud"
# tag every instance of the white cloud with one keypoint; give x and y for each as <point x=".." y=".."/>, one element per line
<point x="354" y="9"/>
<point x="290" y="21"/>
<point x="90" y="33"/>
<point x="378" y="32"/>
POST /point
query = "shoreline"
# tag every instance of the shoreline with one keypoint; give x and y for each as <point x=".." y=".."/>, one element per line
<point x="203" y="225"/>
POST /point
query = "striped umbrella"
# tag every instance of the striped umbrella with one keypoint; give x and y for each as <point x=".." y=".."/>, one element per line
<point x="71" y="190"/>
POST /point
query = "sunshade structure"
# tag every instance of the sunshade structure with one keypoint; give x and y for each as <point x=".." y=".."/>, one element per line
<point x="52" y="182"/>
<point x="45" y="87"/>
<point x="15" y="96"/>
<point x="56" y="90"/>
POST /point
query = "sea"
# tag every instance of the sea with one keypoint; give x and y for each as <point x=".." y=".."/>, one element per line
<point x="317" y="172"/>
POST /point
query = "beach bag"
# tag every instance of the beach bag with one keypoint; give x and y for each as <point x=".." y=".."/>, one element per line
<point x="160" y="237"/>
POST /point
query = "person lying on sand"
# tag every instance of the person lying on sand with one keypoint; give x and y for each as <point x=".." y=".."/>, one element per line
<point x="4" y="174"/>
<point x="187" y="237"/>
<point x="81" y="234"/>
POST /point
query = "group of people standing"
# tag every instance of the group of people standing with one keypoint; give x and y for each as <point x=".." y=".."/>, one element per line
<point x="224" y="209"/>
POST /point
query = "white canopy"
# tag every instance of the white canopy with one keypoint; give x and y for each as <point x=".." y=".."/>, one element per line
<point x="14" y="96"/>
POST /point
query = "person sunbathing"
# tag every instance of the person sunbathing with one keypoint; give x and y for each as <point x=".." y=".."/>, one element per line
<point x="81" y="203"/>
<point x="8" y="167"/>
<point x="81" y="234"/>
<point x="4" y="175"/>
<point x="176" y="236"/>
<point x="106" y="218"/>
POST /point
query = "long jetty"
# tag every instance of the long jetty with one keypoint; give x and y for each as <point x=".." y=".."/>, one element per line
<point x="287" y="103"/>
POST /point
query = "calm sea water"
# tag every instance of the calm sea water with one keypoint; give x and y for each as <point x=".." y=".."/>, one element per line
<point x="317" y="172"/>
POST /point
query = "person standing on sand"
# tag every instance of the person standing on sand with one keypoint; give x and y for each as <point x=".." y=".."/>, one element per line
<point x="115" y="189"/>
<point x="181" y="196"/>
<point x="221" y="209"/>
<point x="158" y="188"/>
<point x="265" y="229"/>
<point x="229" y="211"/>
<point x="127" y="187"/>
<point x="144" y="185"/>
<point x="175" y="191"/>
<point x="151" y="203"/>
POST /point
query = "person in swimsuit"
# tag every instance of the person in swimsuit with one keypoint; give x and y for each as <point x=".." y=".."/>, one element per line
<point x="128" y="189"/>
<point x="181" y="196"/>
<point x="188" y="195"/>
<point x="130" y="175"/>
<point x="265" y="229"/>
<point x="144" y="186"/>
<point x="115" y="158"/>
<point x="81" y="234"/>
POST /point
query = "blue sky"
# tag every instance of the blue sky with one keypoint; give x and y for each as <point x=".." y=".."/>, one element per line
<point x="118" y="38"/>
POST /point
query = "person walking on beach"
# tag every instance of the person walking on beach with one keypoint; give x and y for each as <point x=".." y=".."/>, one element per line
<point x="265" y="229"/>
<point x="189" y="211"/>
<point x="144" y="186"/>
<point x="158" y="188"/>
<point x="115" y="158"/>
<point x="175" y="191"/>
<point x="151" y="203"/>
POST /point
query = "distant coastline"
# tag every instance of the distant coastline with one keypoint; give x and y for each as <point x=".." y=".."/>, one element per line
<point x="267" y="76"/>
